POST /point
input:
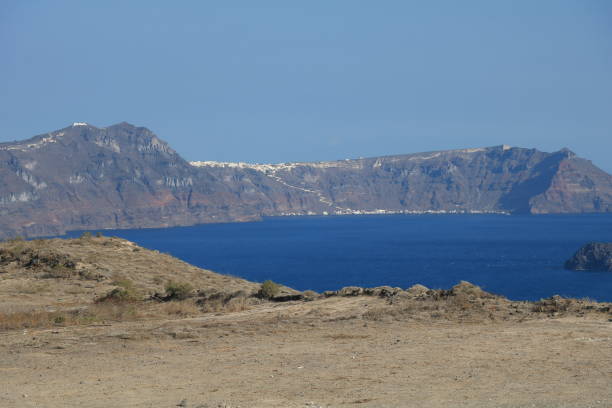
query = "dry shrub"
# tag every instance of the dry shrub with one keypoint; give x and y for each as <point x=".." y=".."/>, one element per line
<point x="180" y="309"/>
<point x="237" y="304"/>
<point x="123" y="293"/>
<point x="560" y="305"/>
<point x="445" y="306"/>
<point x="119" y="295"/>
<point x="31" y="288"/>
<point x="58" y="272"/>
<point x="74" y="290"/>
<point x="158" y="280"/>
<point x="178" y="290"/>
<point x="224" y="302"/>
<point x="555" y="304"/>
<point x="122" y="281"/>
<point x="109" y="312"/>
<point x="462" y="302"/>
<point x="268" y="290"/>
<point x="377" y="314"/>
<point x="29" y="319"/>
<point x="30" y="255"/>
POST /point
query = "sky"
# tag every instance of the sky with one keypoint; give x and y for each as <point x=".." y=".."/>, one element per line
<point x="280" y="81"/>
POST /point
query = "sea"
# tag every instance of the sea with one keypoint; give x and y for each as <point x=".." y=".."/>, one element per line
<point x="518" y="256"/>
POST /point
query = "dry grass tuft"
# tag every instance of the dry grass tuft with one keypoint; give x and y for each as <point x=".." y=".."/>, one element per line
<point x="124" y="292"/>
<point x="180" y="309"/>
<point x="178" y="290"/>
<point x="233" y="302"/>
<point x="31" y="288"/>
<point x="39" y="318"/>
<point x="29" y="319"/>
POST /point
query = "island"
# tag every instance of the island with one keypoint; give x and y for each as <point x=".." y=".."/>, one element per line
<point x="594" y="256"/>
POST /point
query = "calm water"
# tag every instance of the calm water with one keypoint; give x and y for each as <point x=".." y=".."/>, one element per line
<point x="517" y="256"/>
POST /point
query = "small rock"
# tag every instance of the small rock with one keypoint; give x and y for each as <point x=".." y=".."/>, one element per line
<point x="350" y="291"/>
<point x="382" y="291"/>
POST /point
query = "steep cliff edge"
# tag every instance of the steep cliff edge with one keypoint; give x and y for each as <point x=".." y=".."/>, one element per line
<point x="123" y="176"/>
<point x="494" y="179"/>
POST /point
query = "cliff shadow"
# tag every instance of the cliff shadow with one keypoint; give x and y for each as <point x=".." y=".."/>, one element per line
<point x="541" y="176"/>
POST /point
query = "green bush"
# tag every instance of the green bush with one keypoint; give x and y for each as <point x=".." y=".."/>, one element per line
<point x="268" y="290"/>
<point x="178" y="290"/>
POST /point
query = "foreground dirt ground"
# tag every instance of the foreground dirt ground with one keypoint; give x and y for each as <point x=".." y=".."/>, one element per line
<point x="323" y="353"/>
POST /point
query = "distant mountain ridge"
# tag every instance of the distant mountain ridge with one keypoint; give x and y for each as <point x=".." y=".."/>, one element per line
<point x="123" y="176"/>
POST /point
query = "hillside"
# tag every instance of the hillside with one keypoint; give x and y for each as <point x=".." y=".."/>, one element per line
<point x="122" y="176"/>
<point x="76" y="272"/>
<point x="65" y="342"/>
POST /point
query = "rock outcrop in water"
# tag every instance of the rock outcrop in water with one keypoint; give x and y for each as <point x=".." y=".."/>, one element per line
<point x="595" y="256"/>
<point x="122" y="176"/>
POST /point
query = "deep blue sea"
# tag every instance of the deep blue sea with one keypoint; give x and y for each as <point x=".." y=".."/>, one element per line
<point x="518" y="256"/>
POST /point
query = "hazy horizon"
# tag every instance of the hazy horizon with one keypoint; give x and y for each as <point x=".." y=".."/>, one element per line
<point x="286" y="82"/>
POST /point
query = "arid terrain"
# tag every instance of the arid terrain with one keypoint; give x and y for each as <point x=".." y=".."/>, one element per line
<point x="101" y="322"/>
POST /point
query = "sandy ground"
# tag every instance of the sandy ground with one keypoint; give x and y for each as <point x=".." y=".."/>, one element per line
<point x="310" y="354"/>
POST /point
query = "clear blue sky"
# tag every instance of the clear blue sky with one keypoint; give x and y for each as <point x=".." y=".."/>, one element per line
<point x="270" y="81"/>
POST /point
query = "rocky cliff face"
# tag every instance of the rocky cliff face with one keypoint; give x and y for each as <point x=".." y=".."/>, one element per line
<point x="122" y="176"/>
<point x="495" y="179"/>
<point x="595" y="256"/>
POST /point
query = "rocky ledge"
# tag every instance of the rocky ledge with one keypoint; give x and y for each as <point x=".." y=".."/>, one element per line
<point x="594" y="256"/>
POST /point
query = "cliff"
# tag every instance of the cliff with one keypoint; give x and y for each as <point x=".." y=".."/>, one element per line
<point x="123" y="176"/>
<point x="495" y="179"/>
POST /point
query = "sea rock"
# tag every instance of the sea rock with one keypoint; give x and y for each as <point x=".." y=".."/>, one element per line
<point x="594" y="256"/>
